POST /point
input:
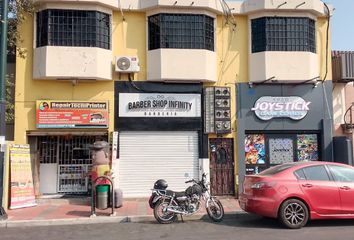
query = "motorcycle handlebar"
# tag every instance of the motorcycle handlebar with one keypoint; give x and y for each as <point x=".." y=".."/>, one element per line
<point x="189" y="181"/>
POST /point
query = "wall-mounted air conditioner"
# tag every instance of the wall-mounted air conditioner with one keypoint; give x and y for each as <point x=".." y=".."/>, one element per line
<point x="127" y="64"/>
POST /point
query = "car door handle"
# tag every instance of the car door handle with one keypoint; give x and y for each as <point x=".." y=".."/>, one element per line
<point x="308" y="185"/>
<point x="345" y="188"/>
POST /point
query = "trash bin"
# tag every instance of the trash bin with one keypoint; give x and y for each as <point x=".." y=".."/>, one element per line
<point x="118" y="198"/>
<point x="102" y="196"/>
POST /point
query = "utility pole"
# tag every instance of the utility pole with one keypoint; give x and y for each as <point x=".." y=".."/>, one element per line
<point x="3" y="63"/>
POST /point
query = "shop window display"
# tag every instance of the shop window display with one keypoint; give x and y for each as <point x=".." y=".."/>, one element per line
<point x="265" y="150"/>
<point x="307" y="147"/>
<point x="281" y="150"/>
<point x="255" y="158"/>
<point x="255" y="149"/>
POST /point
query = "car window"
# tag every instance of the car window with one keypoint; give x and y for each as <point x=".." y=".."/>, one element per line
<point x="316" y="173"/>
<point x="276" y="169"/>
<point x="300" y="175"/>
<point x="342" y="174"/>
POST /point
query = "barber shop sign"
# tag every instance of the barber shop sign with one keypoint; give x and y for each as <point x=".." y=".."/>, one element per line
<point x="293" y="107"/>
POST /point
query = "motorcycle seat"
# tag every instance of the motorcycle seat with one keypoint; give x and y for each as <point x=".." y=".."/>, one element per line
<point x="176" y="194"/>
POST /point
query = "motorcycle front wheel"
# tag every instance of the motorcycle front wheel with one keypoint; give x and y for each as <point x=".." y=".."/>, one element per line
<point x="215" y="209"/>
<point x="162" y="215"/>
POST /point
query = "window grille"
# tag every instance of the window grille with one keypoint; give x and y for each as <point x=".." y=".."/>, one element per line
<point x="283" y="34"/>
<point x="77" y="28"/>
<point x="185" y="31"/>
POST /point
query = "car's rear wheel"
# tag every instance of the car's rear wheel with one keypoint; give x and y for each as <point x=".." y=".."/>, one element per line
<point x="293" y="214"/>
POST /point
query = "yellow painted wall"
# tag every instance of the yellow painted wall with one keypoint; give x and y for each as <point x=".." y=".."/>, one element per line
<point x="29" y="90"/>
<point x="133" y="29"/>
<point x="129" y="38"/>
<point x="5" y="202"/>
<point x="321" y="36"/>
<point x="232" y="60"/>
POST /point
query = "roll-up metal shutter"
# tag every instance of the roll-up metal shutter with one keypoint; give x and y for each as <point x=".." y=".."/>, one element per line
<point x="145" y="157"/>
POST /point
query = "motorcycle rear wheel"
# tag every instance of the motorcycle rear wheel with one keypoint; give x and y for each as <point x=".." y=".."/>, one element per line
<point x="161" y="215"/>
<point x="215" y="210"/>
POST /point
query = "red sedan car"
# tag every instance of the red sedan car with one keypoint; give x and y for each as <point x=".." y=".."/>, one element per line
<point x="297" y="192"/>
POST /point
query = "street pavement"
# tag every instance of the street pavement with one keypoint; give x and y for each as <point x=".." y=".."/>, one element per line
<point x="240" y="227"/>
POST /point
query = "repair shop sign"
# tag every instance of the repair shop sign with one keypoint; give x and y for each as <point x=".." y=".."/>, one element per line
<point x="71" y="114"/>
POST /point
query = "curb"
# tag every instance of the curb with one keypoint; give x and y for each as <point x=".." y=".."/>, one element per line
<point x="104" y="219"/>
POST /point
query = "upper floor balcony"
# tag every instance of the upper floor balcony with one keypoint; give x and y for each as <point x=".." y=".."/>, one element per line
<point x="181" y="47"/>
<point x="285" y="41"/>
<point x="72" y="44"/>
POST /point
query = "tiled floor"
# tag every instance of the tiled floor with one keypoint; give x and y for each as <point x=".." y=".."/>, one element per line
<point x="80" y="208"/>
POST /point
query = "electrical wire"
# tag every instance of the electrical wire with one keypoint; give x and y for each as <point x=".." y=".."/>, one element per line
<point x="323" y="81"/>
<point x="134" y="85"/>
<point x="228" y="15"/>
<point x="121" y="10"/>
<point x="231" y="21"/>
<point x="327" y="40"/>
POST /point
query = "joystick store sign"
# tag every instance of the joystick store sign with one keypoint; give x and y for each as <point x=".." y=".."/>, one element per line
<point x="292" y="107"/>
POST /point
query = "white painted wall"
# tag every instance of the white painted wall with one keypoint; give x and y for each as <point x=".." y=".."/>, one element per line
<point x="54" y="62"/>
<point x="314" y="6"/>
<point x="48" y="178"/>
<point x="237" y="7"/>
<point x="339" y="104"/>
<point x="181" y="64"/>
<point x="284" y="66"/>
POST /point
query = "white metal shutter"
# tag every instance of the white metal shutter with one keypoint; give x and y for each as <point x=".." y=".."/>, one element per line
<point x="145" y="157"/>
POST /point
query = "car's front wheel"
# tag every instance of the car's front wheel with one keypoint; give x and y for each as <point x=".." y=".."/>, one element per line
<point x="293" y="213"/>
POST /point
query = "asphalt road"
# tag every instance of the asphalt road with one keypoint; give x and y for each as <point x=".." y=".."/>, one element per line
<point x="241" y="227"/>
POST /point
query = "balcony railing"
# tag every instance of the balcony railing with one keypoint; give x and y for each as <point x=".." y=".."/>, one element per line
<point x="348" y="120"/>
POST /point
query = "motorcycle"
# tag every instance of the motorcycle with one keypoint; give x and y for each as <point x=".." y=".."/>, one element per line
<point x="168" y="204"/>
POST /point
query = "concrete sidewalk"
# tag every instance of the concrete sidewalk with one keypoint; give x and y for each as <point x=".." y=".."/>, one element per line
<point x="77" y="211"/>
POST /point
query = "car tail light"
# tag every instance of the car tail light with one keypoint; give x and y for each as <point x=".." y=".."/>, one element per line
<point x="261" y="185"/>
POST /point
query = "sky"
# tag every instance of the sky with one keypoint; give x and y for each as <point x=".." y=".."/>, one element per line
<point x="342" y="24"/>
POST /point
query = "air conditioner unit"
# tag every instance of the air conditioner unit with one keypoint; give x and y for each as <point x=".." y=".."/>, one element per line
<point x="125" y="64"/>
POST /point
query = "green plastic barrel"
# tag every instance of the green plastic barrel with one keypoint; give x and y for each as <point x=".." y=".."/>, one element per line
<point x="102" y="196"/>
<point x="102" y="188"/>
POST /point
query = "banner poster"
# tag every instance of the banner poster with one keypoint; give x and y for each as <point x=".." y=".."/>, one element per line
<point x="255" y="149"/>
<point x="71" y="114"/>
<point x="307" y="147"/>
<point x="22" y="190"/>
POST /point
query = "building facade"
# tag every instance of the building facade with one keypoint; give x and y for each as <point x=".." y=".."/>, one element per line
<point x="175" y="87"/>
<point x="343" y="100"/>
